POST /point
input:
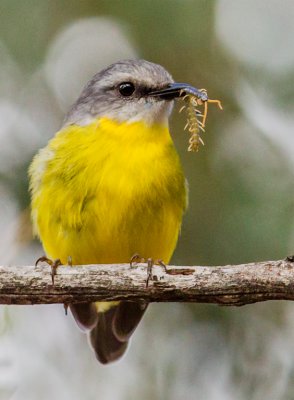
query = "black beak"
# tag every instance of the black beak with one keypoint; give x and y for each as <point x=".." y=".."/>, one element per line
<point x="175" y="90"/>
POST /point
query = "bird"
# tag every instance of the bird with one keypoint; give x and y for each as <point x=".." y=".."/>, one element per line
<point x="109" y="185"/>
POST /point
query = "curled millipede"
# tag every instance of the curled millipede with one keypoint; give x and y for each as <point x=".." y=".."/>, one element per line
<point x="195" y="119"/>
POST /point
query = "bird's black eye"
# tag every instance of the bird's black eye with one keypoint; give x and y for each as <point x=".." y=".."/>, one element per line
<point x="126" y="89"/>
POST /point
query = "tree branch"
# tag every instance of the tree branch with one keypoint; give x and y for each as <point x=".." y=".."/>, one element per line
<point x="229" y="285"/>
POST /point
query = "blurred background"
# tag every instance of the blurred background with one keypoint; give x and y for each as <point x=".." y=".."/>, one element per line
<point x="241" y="191"/>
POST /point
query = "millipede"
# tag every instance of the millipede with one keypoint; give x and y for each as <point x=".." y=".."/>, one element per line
<point x="196" y="119"/>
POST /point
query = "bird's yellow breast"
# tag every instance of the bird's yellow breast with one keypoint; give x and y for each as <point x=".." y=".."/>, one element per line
<point x="102" y="192"/>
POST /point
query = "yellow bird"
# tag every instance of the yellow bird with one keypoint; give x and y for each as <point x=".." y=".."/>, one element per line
<point x="109" y="185"/>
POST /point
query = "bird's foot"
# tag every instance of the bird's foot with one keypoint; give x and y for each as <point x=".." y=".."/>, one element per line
<point x="150" y="263"/>
<point x="54" y="264"/>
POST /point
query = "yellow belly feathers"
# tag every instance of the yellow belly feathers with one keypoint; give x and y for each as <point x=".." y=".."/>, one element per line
<point x="102" y="192"/>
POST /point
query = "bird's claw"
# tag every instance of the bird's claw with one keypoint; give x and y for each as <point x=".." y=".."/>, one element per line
<point x="54" y="264"/>
<point x="136" y="258"/>
<point x="162" y="264"/>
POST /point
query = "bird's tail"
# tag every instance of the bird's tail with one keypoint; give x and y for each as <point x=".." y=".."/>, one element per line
<point x="111" y="329"/>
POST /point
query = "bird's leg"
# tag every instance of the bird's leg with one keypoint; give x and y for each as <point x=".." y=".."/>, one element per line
<point x="136" y="258"/>
<point x="150" y="264"/>
<point x="54" y="264"/>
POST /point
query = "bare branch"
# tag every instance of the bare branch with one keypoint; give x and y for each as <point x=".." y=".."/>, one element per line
<point x="229" y="285"/>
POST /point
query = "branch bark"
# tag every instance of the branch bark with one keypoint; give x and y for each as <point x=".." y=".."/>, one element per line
<point x="228" y="285"/>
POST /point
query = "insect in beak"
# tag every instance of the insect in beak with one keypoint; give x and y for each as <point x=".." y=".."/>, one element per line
<point x="194" y="98"/>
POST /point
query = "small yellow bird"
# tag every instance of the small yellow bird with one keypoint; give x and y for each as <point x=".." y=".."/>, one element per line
<point x="110" y="185"/>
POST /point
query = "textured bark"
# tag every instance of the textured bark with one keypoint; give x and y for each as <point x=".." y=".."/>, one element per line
<point x="228" y="285"/>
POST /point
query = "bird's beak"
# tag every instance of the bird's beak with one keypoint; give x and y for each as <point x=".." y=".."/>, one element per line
<point x="175" y="90"/>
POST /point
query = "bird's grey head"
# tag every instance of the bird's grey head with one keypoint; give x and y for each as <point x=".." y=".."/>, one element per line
<point x="124" y="92"/>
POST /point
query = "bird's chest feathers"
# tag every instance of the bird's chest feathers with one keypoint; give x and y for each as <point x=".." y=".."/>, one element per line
<point x="107" y="175"/>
